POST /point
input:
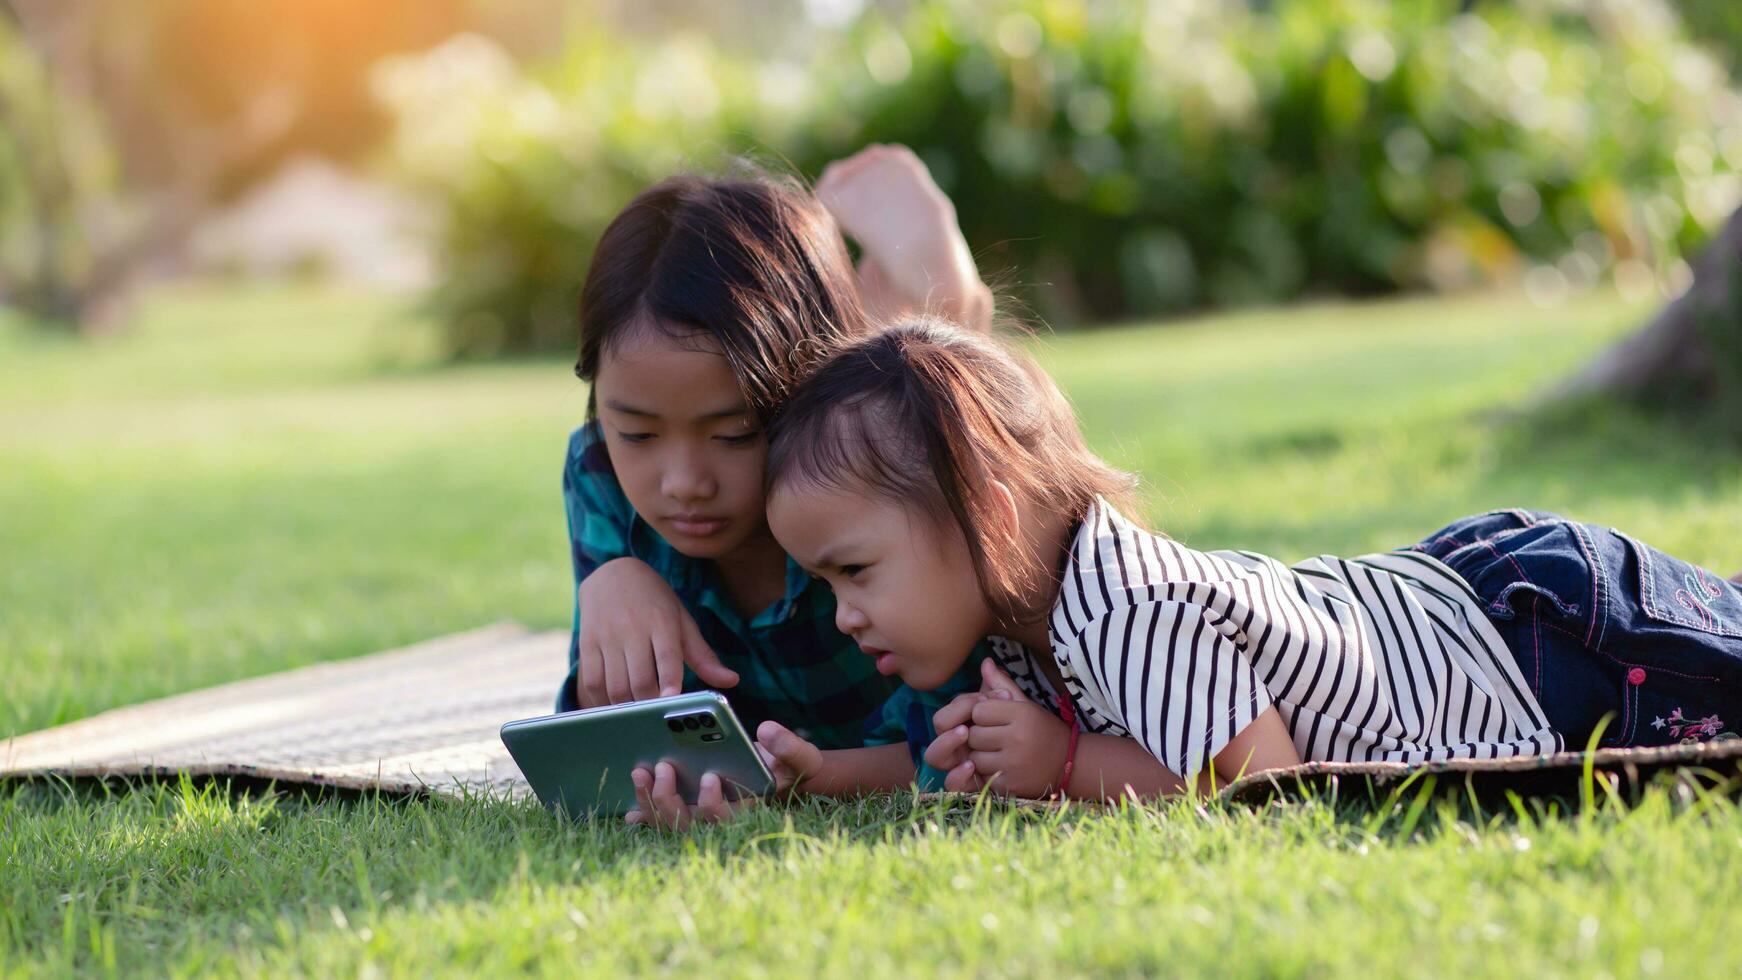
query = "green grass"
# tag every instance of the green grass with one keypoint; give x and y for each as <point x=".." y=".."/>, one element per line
<point x="177" y="879"/>
<point x="257" y="479"/>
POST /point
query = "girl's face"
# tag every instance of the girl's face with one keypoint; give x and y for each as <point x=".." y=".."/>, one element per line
<point x="904" y="591"/>
<point x="686" y="449"/>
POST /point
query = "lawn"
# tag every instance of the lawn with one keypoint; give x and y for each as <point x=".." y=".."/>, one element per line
<point x="260" y="478"/>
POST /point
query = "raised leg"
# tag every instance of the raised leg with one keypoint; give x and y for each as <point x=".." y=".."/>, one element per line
<point x="914" y="258"/>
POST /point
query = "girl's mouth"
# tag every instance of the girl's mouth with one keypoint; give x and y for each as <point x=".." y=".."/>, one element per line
<point x="885" y="660"/>
<point x="698" y="527"/>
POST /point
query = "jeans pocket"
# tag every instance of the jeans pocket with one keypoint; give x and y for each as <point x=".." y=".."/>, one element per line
<point x="1538" y="565"/>
<point x="1679" y="593"/>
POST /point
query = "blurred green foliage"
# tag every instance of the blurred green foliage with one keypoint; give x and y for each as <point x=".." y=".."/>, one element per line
<point x="1718" y="23"/>
<point x="1121" y="160"/>
<point x="58" y="179"/>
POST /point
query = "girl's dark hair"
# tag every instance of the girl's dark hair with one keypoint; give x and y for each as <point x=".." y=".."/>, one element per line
<point x="756" y="264"/>
<point x="928" y="415"/>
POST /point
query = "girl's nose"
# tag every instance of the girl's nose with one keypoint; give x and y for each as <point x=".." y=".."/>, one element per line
<point x="687" y="478"/>
<point x="848" y="618"/>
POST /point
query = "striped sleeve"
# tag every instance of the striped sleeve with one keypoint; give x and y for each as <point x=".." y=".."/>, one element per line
<point x="1174" y="677"/>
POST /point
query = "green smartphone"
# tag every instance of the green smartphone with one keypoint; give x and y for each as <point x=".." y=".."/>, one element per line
<point x="579" y="762"/>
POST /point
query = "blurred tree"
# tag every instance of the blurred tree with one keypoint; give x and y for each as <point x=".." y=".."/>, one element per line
<point x="125" y="123"/>
<point x="1717" y="22"/>
<point x="1690" y="355"/>
<point x="57" y="186"/>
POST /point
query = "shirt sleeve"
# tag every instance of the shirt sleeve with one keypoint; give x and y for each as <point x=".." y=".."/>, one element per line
<point x="1175" y="678"/>
<point x="599" y="518"/>
<point x="907" y="717"/>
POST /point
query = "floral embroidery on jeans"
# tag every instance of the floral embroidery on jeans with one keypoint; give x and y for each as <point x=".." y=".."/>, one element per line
<point x="1693" y="729"/>
<point x="1698" y="595"/>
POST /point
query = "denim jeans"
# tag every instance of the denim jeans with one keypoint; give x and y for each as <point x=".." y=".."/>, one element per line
<point x="1606" y="630"/>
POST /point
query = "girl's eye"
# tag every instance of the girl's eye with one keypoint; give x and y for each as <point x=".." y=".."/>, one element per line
<point x="743" y="440"/>
<point x="851" y="570"/>
<point x="635" y="437"/>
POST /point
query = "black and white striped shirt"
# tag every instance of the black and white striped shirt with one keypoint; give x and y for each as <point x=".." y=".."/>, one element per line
<point x="1382" y="657"/>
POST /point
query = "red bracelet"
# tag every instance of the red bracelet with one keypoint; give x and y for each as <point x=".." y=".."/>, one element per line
<point x="1068" y="712"/>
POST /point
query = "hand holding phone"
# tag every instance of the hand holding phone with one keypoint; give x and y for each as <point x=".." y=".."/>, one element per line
<point x="584" y="762"/>
<point x="790" y="759"/>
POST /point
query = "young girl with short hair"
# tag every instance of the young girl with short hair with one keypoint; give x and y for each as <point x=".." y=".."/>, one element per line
<point x="938" y="483"/>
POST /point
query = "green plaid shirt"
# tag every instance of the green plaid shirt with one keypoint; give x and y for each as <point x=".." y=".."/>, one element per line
<point x="793" y="665"/>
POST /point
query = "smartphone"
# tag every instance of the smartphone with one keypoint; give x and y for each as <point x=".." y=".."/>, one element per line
<point x="579" y="762"/>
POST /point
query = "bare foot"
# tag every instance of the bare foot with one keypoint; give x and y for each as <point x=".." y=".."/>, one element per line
<point x="914" y="255"/>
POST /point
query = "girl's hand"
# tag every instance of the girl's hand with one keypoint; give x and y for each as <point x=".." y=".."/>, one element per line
<point x="949" y="751"/>
<point x="913" y="254"/>
<point x="1017" y="747"/>
<point x="790" y="759"/>
<point x="659" y="805"/>
<point x="636" y="637"/>
<point x="1013" y="745"/>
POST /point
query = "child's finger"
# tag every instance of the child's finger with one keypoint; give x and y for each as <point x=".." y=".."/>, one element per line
<point x="986" y="739"/>
<point x="711" y="805"/>
<point x="797" y="757"/>
<point x="957" y="712"/>
<point x="664" y="676"/>
<point x="991" y="767"/>
<point x="787" y="746"/>
<point x="963" y="779"/>
<point x="643" y="781"/>
<point x="672" y="810"/>
<point x="702" y="658"/>
<point x="643" y="673"/>
<point x="616" y="675"/>
<point x="634" y="818"/>
<point x="775" y="738"/>
<point x="993" y="678"/>
<point x="590" y="678"/>
<point x="722" y="809"/>
<point x="994" y="712"/>
<point x="948" y="750"/>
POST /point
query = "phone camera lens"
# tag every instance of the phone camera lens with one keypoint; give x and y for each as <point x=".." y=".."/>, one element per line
<point x="691" y="723"/>
<point x="674" y="724"/>
<point x="708" y="721"/>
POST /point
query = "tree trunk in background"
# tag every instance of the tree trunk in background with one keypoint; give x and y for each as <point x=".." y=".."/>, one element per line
<point x="181" y="105"/>
<point x="1693" y="347"/>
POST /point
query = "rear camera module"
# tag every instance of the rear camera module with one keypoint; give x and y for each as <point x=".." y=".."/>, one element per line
<point x="708" y="721"/>
<point x="691" y="723"/>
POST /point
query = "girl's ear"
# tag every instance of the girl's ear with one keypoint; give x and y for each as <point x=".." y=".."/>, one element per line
<point x="1009" y="521"/>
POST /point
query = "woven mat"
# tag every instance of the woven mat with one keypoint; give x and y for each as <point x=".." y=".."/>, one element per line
<point x="424" y="719"/>
<point x="421" y="718"/>
<point x="1710" y="765"/>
